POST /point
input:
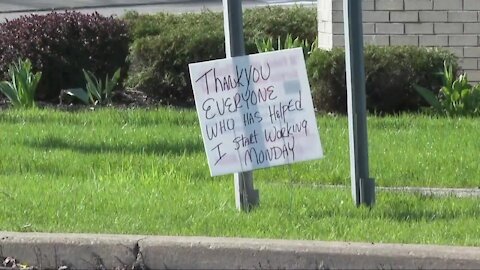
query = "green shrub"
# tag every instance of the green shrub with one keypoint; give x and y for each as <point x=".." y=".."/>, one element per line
<point x="259" y="23"/>
<point x="456" y="97"/>
<point x="275" y="21"/>
<point x="391" y="73"/>
<point x="166" y="43"/>
<point x="148" y="25"/>
<point x="60" y="45"/>
<point x="159" y="63"/>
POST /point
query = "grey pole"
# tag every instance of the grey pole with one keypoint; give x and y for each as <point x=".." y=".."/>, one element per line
<point x="363" y="187"/>
<point x="246" y="196"/>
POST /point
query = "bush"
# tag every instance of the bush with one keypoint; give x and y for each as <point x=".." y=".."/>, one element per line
<point x="159" y="63"/>
<point x="60" y="45"/>
<point x="165" y="44"/>
<point x="148" y="25"/>
<point x="275" y="21"/>
<point x="391" y="73"/>
<point x="259" y="23"/>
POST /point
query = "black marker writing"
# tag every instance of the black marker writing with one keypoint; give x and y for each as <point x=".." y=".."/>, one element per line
<point x="260" y="156"/>
<point x="250" y="118"/>
<point x="289" y="130"/>
<point x="213" y="107"/>
<point x="219" y="128"/>
<point x="243" y="76"/>
<point x="279" y="111"/>
<point x="219" y="152"/>
<point x="243" y="141"/>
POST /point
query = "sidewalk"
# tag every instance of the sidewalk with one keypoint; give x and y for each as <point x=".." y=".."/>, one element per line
<point x="11" y="9"/>
<point x="8" y="6"/>
<point x="91" y="251"/>
<point x="47" y="5"/>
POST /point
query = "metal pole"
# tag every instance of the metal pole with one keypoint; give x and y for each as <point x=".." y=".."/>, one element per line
<point x="363" y="187"/>
<point x="246" y="196"/>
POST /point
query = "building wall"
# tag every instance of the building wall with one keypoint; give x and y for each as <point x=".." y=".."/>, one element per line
<point x="452" y="24"/>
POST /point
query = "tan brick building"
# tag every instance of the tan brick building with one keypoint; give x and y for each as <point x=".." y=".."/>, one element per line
<point x="452" y="24"/>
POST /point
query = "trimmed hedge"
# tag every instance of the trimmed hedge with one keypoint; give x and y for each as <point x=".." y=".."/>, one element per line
<point x="391" y="73"/>
<point x="159" y="63"/>
<point x="260" y="23"/>
<point x="166" y="43"/>
<point x="271" y="21"/>
<point x="61" y="45"/>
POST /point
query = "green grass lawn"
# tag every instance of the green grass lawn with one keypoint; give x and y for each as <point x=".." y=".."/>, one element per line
<point x="145" y="172"/>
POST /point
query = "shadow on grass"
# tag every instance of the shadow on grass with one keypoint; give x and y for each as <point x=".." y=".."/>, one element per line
<point x="421" y="207"/>
<point x="398" y="215"/>
<point x="417" y="208"/>
<point x="159" y="147"/>
<point x="81" y="116"/>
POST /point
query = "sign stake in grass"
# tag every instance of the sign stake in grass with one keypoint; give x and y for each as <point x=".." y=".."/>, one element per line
<point x="246" y="196"/>
<point x="363" y="187"/>
<point x="255" y="111"/>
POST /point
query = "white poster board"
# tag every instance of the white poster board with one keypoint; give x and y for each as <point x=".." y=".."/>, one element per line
<point x="255" y="111"/>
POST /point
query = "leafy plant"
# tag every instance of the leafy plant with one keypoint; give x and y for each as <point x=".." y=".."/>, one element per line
<point x="97" y="91"/>
<point x="267" y="44"/>
<point x="456" y="97"/>
<point x="21" y="89"/>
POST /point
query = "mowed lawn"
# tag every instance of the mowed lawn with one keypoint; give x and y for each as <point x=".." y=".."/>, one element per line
<point x="144" y="172"/>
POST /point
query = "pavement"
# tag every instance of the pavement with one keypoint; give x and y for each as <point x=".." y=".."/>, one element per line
<point x="96" y="251"/>
<point x="11" y="9"/>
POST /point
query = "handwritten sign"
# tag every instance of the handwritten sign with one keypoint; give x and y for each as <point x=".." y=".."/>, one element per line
<point x="255" y="111"/>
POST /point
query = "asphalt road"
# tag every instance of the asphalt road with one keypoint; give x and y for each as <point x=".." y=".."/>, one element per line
<point x="10" y="9"/>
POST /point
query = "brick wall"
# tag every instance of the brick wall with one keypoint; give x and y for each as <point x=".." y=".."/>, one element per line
<point x="453" y="24"/>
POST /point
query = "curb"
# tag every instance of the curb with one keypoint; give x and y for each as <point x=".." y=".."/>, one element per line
<point x="99" y="251"/>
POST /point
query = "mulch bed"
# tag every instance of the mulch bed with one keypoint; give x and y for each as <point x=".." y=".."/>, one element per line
<point x="121" y="99"/>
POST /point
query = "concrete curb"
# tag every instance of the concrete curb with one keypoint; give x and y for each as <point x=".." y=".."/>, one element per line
<point x="92" y="251"/>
